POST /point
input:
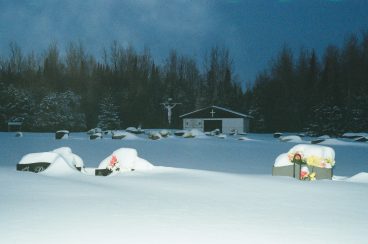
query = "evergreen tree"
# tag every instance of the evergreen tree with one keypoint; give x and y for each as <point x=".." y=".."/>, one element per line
<point x="108" y="118"/>
<point x="15" y="103"/>
<point x="60" y="111"/>
<point x="327" y="119"/>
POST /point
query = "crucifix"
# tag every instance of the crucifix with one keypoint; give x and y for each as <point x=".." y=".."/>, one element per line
<point x="169" y="105"/>
<point x="212" y="113"/>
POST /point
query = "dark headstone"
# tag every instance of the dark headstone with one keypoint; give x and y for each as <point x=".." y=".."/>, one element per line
<point x="118" y="136"/>
<point x="179" y="133"/>
<point x="95" y="136"/>
<point x="134" y="130"/>
<point x="94" y="131"/>
<point x="34" y="167"/>
<point x="154" y="136"/>
<point x="102" y="172"/>
<point x="277" y="135"/>
<point x="361" y="139"/>
<point x="317" y="141"/>
<point x="60" y="134"/>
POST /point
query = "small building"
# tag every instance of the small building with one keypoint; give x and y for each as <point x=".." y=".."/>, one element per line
<point x="214" y="117"/>
<point x="15" y="124"/>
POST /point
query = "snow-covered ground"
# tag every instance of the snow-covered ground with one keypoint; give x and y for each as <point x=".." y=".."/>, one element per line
<point x="202" y="190"/>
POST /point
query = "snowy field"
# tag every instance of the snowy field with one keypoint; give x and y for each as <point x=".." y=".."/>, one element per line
<point x="203" y="190"/>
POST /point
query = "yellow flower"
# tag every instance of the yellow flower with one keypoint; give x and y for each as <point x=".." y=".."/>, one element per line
<point x="312" y="176"/>
<point x="314" y="161"/>
<point x="330" y="161"/>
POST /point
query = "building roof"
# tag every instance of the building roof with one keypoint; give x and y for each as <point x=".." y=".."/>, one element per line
<point x="214" y="112"/>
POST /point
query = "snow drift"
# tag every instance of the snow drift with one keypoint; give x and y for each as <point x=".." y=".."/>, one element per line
<point x="125" y="159"/>
<point x="62" y="161"/>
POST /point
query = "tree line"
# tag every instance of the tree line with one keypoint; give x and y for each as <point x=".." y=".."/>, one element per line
<point x="317" y="93"/>
<point x="76" y="91"/>
<point x="327" y="95"/>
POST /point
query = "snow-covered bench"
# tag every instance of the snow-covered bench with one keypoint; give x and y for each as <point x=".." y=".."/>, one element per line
<point x="306" y="162"/>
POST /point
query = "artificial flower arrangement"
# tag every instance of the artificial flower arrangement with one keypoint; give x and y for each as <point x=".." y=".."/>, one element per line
<point x="312" y="160"/>
<point x="114" y="164"/>
<point x="306" y="162"/>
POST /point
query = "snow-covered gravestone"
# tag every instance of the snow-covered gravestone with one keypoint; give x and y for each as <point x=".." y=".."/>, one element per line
<point x="164" y="133"/>
<point x="134" y="130"/>
<point x="154" y="135"/>
<point x="61" y="134"/>
<point x="277" y="134"/>
<point x="58" y="161"/>
<point x="94" y="131"/>
<point x="122" y="160"/>
<point x="306" y="162"/>
<point x="95" y="136"/>
<point x="194" y="133"/>
<point x="179" y="132"/>
<point x="118" y="135"/>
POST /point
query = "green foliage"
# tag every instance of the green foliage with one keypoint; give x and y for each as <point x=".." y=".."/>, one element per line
<point x="321" y="97"/>
<point x="325" y="94"/>
<point x="108" y="118"/>
<point x="59" y="111"/>
<point x="138" y="86"/>
<point x="15" y="103"/>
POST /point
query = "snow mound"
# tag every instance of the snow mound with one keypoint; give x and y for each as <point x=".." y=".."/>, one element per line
<point x="353" y="135"/>
<point x="154" y="135"/>
<point x="314" y="155"/>
<point x="194" y="133"/>
<point x="324" y="137"/>
<point x="95" y="136"/>
<point x="94" y="131"/>
<point x="361" y="177"/>
<point x="295" y="139"/>
<point x="124" y="135"/>
<point x="164" y="133"/>
<point x="62" y="161"/>
<point x="125" y="159"/>
<point x="222" y="136"/>
<point x="282" y="160"/>
<point x="134" y="130"/>
<point x="333" y="142"/>
<point x="244" y="138"/>
<point x="44" y="157"/>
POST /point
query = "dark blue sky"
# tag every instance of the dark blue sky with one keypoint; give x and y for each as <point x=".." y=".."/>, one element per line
<point x="253" y="30"/>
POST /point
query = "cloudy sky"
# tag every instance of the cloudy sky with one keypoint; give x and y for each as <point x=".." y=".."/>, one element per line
<point x="253" y="30"/>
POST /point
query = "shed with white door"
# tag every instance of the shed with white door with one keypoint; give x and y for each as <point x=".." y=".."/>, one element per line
<point x="214" y="117"/>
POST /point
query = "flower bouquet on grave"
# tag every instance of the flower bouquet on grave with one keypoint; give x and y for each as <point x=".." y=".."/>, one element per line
<point x="320" y="162"/>
<point x="302" y="161"/>
<point x="114" y="164"/>
<point x="306" y="162"/>
<point x="297" y="158"/>
<point x="306" y="175"/>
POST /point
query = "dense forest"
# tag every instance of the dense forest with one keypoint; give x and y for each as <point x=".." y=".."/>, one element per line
<point x="317" y="93"/>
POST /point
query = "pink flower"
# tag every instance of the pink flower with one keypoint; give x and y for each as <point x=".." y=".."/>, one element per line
<point x="113" y="161"/>
<point x="303" y="175"/>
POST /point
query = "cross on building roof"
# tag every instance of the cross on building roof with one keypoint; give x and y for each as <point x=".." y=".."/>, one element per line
<point x="212" y="112"/>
